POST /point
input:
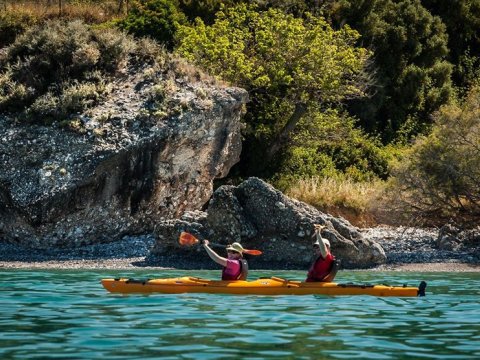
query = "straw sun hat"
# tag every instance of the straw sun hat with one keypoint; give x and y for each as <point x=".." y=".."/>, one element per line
<point x="235" y="247"/>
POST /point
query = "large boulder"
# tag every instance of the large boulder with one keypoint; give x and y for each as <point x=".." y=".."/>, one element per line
<point x="453" y="238"/>
<point x="261" y="217"/>
<point x="124" y="172"/>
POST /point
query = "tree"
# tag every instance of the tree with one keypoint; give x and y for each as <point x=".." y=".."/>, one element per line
<point x="440" y="177"/>
<point x="462" y="19"/>
<point x="287" y="64"/>
<point x="413" y="77"/>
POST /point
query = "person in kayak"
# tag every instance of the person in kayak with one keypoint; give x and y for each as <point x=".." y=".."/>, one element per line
<point x="235" y="267"/>
<point x="323" y="263"/>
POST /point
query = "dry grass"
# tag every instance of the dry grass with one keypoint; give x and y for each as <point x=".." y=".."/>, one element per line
<point x="91" y="12"/>
<point x="357" y="202"/>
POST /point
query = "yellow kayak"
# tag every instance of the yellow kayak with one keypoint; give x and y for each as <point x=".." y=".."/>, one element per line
<point x="262" y="286"/>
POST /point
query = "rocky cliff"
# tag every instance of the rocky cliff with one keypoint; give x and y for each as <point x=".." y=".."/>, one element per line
<point x="124" y="171"/>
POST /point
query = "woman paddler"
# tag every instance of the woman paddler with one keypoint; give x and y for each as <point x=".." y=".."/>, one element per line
<point x="235" y="267"/>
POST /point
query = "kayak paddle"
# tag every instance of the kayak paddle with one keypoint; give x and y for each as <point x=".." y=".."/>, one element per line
<point x="188" y="239"/>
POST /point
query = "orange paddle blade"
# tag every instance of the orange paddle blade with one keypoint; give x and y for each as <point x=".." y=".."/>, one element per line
<point x="187" y="239"/>
<point x="252" y="252"/>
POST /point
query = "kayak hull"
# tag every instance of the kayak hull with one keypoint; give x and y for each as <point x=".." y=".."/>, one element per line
<point x="263" y="286"/>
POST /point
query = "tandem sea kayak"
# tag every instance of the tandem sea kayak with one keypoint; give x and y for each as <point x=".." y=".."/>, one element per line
<point x="262" y="286"/>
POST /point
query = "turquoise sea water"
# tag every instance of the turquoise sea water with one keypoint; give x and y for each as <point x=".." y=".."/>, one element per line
<point x="68" y="315"/>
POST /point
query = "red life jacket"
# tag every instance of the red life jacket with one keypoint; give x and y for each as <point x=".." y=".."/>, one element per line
<point x="242" y="272"/>
<point x="320" y="268"/>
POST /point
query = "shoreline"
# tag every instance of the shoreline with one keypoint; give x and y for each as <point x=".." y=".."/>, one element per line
<point x="406" y="249"/>
<point x="138" y="263"/>
<point x="430" y="267"/>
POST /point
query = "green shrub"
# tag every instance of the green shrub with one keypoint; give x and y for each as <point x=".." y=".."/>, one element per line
<point x="12" y="93"/>
<point x="439" y="177"/>
<point x="60" y="68"/>
<point x="12" y="24"/>
<point x="73" y="98"/>
<point x="158" y="19"/>
<point x="77" y="97"/>
<point x="114" y="48"/>
<point x="56" y="50"/>
<point x="86" y="56"/>
<point x="329" y="145"/>
<point x="45" y="106"/>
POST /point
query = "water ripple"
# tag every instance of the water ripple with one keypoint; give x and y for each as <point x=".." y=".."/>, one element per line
<point x="67" y="314"/>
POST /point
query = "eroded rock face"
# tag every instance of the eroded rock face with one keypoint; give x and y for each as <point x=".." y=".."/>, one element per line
<point x="261" y="217"/>
<point x="60" y="188"/>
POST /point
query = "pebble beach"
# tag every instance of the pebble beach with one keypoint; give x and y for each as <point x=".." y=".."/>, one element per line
<point x="407" y="249"/>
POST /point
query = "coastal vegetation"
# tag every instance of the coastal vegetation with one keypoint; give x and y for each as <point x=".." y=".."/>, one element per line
<point x="357" y="107"/>
<point x="439" y="176"/>
<point x="57" y="69"/>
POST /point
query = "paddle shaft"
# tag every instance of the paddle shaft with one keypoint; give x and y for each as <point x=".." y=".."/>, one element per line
<point x="215" y="245"/>
<point x="189" y="240"/>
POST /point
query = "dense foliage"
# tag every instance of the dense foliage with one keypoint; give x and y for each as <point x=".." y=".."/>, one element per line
<point x="329" y="145"/>
<point x="412" y="74"/>
<point x="462" y="19"/>
<point x="440" y="178"/>
<point x="13" y="24"/>
<point x="289" y="65"/>
<point x="55" y="70"/>
<point x="155" y="18"/>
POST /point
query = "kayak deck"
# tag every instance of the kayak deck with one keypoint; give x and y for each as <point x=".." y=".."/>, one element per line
<point x="262" y="286"/>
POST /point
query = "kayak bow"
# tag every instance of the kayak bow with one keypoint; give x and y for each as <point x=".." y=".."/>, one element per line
<point x="262" y="286"/>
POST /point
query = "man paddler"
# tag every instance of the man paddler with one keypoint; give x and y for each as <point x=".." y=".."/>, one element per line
<point x="323" y="263"/>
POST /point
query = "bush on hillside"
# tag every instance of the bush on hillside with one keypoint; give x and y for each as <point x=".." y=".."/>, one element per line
<point x="439" y="179"/>
<point x="13" y="24"/>
<point x="329" y="145"/>
<point x="158" y="19"/>
<point x="59" y="68"/>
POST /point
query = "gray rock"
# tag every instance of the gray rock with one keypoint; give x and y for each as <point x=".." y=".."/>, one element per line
<point x="62" y="188"/>
<point x="453" y="238"/>
<point x="416" y="245"/>
<point x="250" y="214"/>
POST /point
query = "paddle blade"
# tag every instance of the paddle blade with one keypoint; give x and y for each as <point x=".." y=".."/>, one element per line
<point x="187" y="239"/>
<point x="252" y="252"/>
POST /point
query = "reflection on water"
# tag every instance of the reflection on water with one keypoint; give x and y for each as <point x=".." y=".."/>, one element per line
<point x="67" y="314"/>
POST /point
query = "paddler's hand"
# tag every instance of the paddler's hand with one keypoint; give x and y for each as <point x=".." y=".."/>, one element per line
<point x="206" y="242"/>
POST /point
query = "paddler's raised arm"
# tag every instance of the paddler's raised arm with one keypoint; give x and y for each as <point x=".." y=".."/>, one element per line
<point x="213" y="255"/>
<point x="319" y="240"/>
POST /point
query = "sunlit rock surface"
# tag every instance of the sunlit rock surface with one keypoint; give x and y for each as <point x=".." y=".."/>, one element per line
<point x="261" y="217"/>
<point x="121" y="175"/>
